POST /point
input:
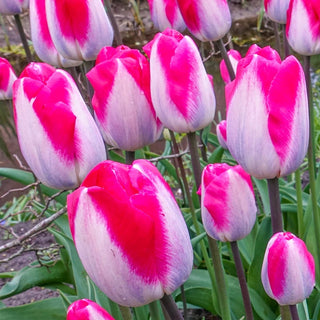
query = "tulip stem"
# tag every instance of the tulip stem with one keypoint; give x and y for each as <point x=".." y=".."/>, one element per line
<point x="294" y="312"/>
<point x="277" y="36"/>
<point x="285" y="313"/>
<point x="125" y="312"/>
<point x="276" y="215"/>
<point x="171" y="307"/>
<point x="285" y="42"/>
<point x="226" y="59"/>
<point x="299" y="203"/>
<point x="154" y="310"/>
<point x="242" y="280"/>
<point x="311" y="158"/>
<point x="117" y="35"/>
<point x="130" y="156"/>
<point x="195" y="160"/>
<point x="23" y="37"/>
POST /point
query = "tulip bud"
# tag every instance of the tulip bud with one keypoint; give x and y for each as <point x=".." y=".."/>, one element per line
<point x="267" y="114"/>
<point x="79" y="29"/>
<point x="85" y="309"/>
<point x="276" y="10"/>
<point x="166" y="14"/>
<point x="7" y="78"/>
<point x="303" y="26"/>
<point x="222" y="134"/>
<point x="122" y="98"/>
<point x="228" y="206"/>
<point x="181" y="91"/>
<point x="8" y="7"/>
<point x="288" y="269"/>
<point x="41" y="38"/>
<point x="57" y="135"/>
<point x="207" y="20"/>
<point x="234" y="57"/>
<point x="134" y="244"/>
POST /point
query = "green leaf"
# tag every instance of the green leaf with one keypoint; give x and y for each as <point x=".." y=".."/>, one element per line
<point x="30" y="277"/>
<point x="49" y="309"/>
<point x="262" y="187"/>
<point x="216" y="155"/>
<point x="263" y="310"/>
<point x="197" y="239"/>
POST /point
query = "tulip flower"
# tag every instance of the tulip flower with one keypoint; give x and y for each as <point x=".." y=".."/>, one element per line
<point x="288" y="269"/>
<point x="276" y="10"/>
<point x="222" y="134"/>
<point x="79" y="29"/>
<point x="234" y="57"/>
<point x="57" y="135"/>
<point x="41" y="38"/>
<point x="166" y="14"/>
<point x="122" y="98"/>
<point x="228" y="206"/>
<point x="303" y="26"/>
<point x="181" y="91"/>
<point x="129" y="232"/>
<point x="85" y="309"/>
<point x="207" y="20"/>
<point x="8" y="7"/>
<point x="267" y="114"/>
<point x="7" y="78"/>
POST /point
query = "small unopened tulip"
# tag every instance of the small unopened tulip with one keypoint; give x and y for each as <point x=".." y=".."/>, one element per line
<point x="9" y="7"/>
<point x="207" y="20"/>
<point x="85" y="309"/>
<point x="267" y="114"/>
<point x="57" y="134"/>
<point x="276" y="10"/>
<point x="228" y="206"/>
<point x="303" y="26"/>
<point x="234" y="57"/>
<point x="79" y="29"/>
<point x="7" y="78"/>
<point x="122" y="98"/>
<point x="129" y="232"/>
<point x="166" y="14"/>
<point x="288" y="269"/>
<point x="181" y="91"/>
<point x="222" y="134"/>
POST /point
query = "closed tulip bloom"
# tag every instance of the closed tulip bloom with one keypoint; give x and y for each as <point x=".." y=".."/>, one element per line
<point x="7" y="78"/>
<point x="122" y="98"/>
<point x="41" y="38"/>
<point x="303" y="26"/>
<point x="288" y="269"/>
<point x="228" y="206"/>
<point x="276" y="10"/>
<point x="234" y="57"/>
<point x="57" y="135"/>
<point x="181" y="91"/>
<point x="85" y="309"/>
<point x="79" y="29"/>
<point x="8" y="7"/>
<point x="166" y="14"/>
<point x="129" y="232"/>
<point x="222" y="133"/>
<point x="207" y="20"/>
<point x="267" y="114"/>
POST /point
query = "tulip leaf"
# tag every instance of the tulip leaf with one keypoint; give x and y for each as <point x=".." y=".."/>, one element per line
<point x="30" y="277"/>
<point x="26" y="178"/>
<point x="197" y="239"/>
<point x="49" y="309"/>
<point x="264" y="194"/>
<point x="216" y="155"/>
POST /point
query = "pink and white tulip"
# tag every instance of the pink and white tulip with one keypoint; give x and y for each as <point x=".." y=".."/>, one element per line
<point x="41" y="38"/>
<point x="57" y="135"/>
<point x="234" y="57"/>
<point x="276" y="10"/>
<point x="85" y="309"/>
<point x="7" y="78"/>
<point x="166" y="14"/>
<point x="79" y="29"/>
<point x="134" y="244"/>
<point x="222" y="134"/>
<point x="288" y="269"/>
<point x="267" y="114"/>
<point x="303" y="26"/>
<point x="207" y="20"/>
<point x="122" y="98"/>
<point x="8" y="7"/>
<point x="228" y="206"/>
<point x="181" y="91"/>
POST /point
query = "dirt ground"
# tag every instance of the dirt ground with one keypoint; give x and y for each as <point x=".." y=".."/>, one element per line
<point x="244" y="17"/>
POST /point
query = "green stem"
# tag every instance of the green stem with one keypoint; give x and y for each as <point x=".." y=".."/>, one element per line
<point x="195" y="160"/>
<point x="285" y="42"/>
<point x="203" y="148"/>
<point x="125" y="312"/>
<point x="117" y="35"/>
<point x="277" y="36"/>
<point x="311" y="158"/>
<point x="285" y="313"/>
<point x="23" y="37"/>
<point x="154" y="310"/>
<point x="130" y="156"/>
<point x="171" y="307"/>
<point x="184" y="301"/>
<point x="294" y="312"/>
<point x="299" y="204"/>
<point x="276" y="215"/>
<point x="226" y="59"/>
<point x="242" y="280"/>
